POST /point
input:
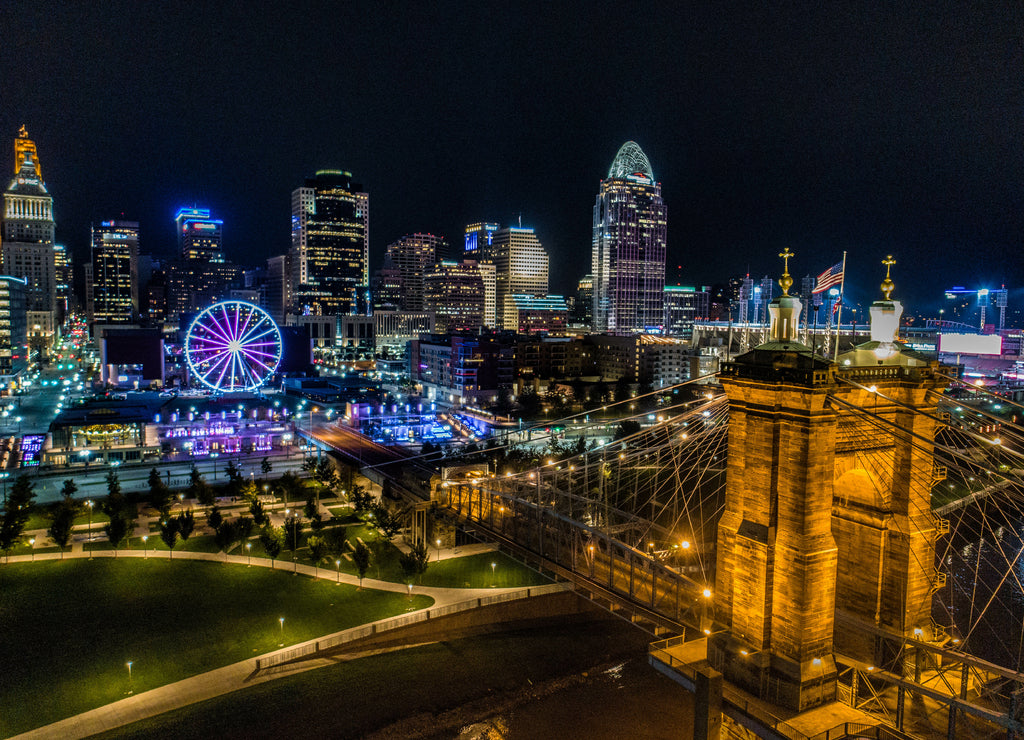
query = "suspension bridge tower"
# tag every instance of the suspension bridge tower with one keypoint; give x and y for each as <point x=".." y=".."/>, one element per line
<point x="827" y="509"/>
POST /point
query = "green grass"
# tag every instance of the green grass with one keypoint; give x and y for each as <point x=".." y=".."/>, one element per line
<point x="474" y="571"/>
<point x="375" y="692"/>
<point x="70" y="626"/>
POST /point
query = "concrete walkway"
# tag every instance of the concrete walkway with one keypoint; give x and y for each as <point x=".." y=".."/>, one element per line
<point x="229" y="678"/>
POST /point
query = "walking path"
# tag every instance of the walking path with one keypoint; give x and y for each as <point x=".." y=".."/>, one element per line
<point x="238" y="675"/>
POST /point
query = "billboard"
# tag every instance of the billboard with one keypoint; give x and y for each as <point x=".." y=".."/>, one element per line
<point x="971" y="344"/>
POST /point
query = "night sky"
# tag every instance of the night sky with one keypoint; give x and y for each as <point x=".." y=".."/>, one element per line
<point x="873" y="127"/>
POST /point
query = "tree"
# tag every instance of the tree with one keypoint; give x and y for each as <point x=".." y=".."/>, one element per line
<point x="361" y="498"/>
<point x="361" y="558"/>
<point x="225" y="535"/>
<point x="310" y="508"/>
<point x="113" y="483"/>
<point x="259" y="514"/>
<point x="272" y="539"/>
<point x="63" y="521"/>
<point x="317" y="548"/>
<point x="293" y="534"/>
<point x="199" y="489"/>
<point x="69" y="489"/>
<point x="414" y="562"/>
<point x="117" y="531"/>
<point x="16" y="513"/>
<point x="387" y="524"/>
<point x="245" y="526"/>
<point x="233" y="473"/>
<point x="186" y="523"/>
<point x="214" y="518"/>
<point x="266" y="467"/>
<point x="627" y="428"/>
<point x="290" y="485"/>
<point x="159" y="494"/>
<point x="169" y="533"/>
<point x="323" y="472"/>
<point x="316" y="522"/>
<point x="335" y="540"/>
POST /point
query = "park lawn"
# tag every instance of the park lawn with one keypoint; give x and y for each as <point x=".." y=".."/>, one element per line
<point x="474" y="571"/>
<point x="377" y="691"/>
<point x="71" y="626"/>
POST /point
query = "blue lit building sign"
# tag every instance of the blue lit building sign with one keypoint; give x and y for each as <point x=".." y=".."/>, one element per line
<point x="471" y="241"/>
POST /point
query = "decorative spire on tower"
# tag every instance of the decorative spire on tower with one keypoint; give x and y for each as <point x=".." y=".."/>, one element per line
<point x="25" y="148"/>
<point x="888" y="285"/>
<point x="786" y="281"/>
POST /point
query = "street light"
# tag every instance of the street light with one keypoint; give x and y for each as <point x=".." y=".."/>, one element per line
<point x="337" y="564"/>
<point x="493" y="566"/>
<point x="130" y="689"/>
<point x="439" y="550"/>
<point x="248" y="554"/>
<point x="215" y="455"/>
<point x="4" y="476"/>
<point x="145" y="549"/>
<point x="88" y="535"/>
<point x="32" y="547"/>
<point x="281" y="621"/>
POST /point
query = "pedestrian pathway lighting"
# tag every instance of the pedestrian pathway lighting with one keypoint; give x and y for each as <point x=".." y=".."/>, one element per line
<point x="248" y="554"/>
<point x="281" y="622"/>
<point x="337" y="564"/>
<point x="130" y="689"/>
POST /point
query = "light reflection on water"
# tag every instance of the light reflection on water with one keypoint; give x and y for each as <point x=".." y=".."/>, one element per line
<point x="630" y="699"/>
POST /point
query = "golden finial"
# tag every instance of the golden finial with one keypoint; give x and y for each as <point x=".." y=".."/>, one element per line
<point x="22" y="132"/>
<point x="888" y="285"/>
<point x="786" y="281"/>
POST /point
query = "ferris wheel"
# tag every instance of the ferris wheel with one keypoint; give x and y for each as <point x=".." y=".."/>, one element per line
<point x="233" y="346"/>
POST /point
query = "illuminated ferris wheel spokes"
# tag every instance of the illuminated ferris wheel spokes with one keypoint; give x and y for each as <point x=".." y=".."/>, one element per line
<point x="233" y="346"/>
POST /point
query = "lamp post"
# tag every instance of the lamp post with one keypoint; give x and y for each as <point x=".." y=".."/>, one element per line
<point x="145" y="548"/>
<point x="88" y="534"/>
<point x="32" y="547"/>
<point x="130" y="689"/>
<point x="248" y="554"/>
<point x="4" y="476"/>
<point x="337" y="564"/>
<point x="215" y="455"/>
<point x="84" y="454"/>
<point x="181" y="499"/>
<point x="493" y="566"/>
<point x="438" y="550"/>
<point x="281" y="622"/>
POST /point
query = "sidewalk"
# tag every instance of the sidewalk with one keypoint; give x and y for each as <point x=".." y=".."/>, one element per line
<point x="237" y="675"/>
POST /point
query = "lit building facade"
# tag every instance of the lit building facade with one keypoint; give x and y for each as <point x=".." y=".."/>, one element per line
<point x="461" y="295"/>
<point x="529" y="314"/>
<point x="330" y="243"/>
<point x="13" y="327"/>
<point x="114" y="285"/>
<point x="520" y="265"/>
<point x="683" y="306"/>
<point x="27" y="235"/>
<point x="199" y="236"/>
<point x="628" y="249"/>
<point x="64" y="277"/>
<point x="413" y="256"/>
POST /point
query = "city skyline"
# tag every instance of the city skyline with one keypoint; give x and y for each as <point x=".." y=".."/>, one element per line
<point x="870" y="130"/>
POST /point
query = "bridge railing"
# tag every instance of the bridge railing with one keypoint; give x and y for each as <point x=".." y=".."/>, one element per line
<point x="314" y="647"/>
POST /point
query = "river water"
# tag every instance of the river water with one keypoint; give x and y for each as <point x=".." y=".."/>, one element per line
<point x="628" y="699"/>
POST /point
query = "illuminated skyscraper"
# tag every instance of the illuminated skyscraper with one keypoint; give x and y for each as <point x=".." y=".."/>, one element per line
<point x="520" y="266"/>
<point x="628" y="250"/>
<point x="64" y="278"/>
<point x="199" y="236"/>
<point x="413" y="256"/>
<point x="461" y="295"/>
<point x="330" y="243"/>
<point x="115" y="272"/>
<point x="27" y="236"/>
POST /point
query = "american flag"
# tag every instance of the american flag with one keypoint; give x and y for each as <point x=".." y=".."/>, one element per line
<point x="831" y="276"/>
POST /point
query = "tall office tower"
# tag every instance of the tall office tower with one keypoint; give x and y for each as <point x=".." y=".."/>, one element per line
<point x="628" y="250"/>
<point x="199" y="236"/>
<point x="330" y="243"/>
<point x="520" y="267"/>
<point x="64" y="280"/>
<point x="461" y="295"/>
<point x="413" y="255"/>
<point x="27" y="236"/>
<point x="13" y="327"/>
<point x="683" y="306"/>
<point x="115" y="272"/>
<point x="478" y="235"/>
<point x="387" y="287"/>
<point x="583" y="309"/>
<point x="278" y="286"/>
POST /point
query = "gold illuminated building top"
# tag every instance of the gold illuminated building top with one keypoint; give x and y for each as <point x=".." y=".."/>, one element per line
<point x="23" y="147"/>
<point x="786" y="281"/>
<point x="888" y="285"/>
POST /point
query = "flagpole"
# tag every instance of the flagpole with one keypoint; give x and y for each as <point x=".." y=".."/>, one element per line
<point x="839" y="315"/>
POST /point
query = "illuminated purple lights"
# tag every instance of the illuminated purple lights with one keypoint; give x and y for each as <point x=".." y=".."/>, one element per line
<point x="233" y="346"/>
